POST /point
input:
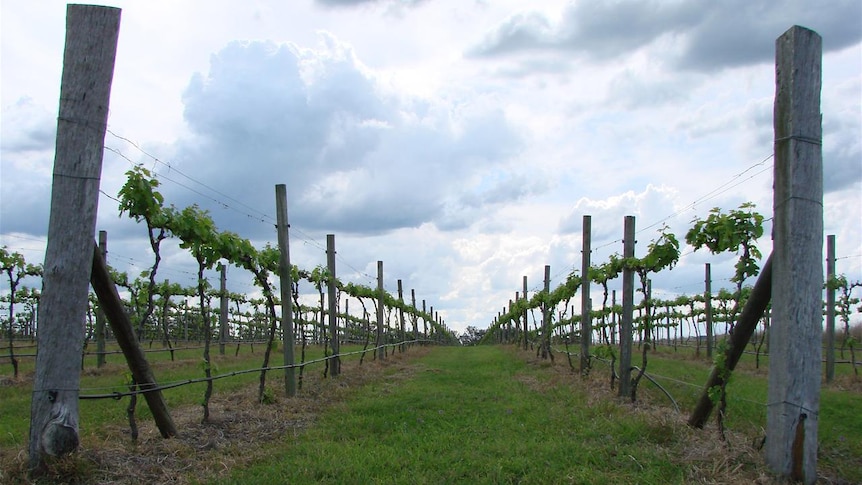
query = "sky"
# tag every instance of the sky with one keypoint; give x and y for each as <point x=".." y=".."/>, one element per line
<point x="460" y="142"/>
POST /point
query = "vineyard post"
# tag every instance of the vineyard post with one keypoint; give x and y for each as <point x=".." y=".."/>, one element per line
<point x="85" y="91"/>
<point x="830" y="308"/>
<point x="707" y="299"/>
<point x="627" y="310"/>
<point x="424" y="323"/>
<point x="752" y="312"/>
<point x="403" y="336"/>
<point x="517" y="322"/>
<point x="586" y="324"/>
<point x="613" y="317"/>
<point x="505" y="329"/>
<point x="222" y="316"/>
<point x="335" y="362"/>
<point x="526" y="330"/>
<point x="546" y="321"/>
<point x="796" y="335"/>
<point x="285" y="285"/>
<point x="100" y="313"/>
<point x="380" y="302"/>
<point x="109" y="299"/>
<point x="413" y="318"/>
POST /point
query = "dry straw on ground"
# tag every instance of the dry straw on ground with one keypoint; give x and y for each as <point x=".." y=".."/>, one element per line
<point x="237" y="434"/>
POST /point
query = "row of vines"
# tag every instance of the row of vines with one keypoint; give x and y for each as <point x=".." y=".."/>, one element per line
<point x="166" y="312"/>
<point x="674" y="322"/>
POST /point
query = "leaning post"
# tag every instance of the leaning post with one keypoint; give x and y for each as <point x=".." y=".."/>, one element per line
<point x="85" y="91"/>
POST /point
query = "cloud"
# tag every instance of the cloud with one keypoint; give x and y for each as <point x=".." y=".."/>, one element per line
<point x="696" y="36"/>
<point x="596" y="30"/>
<point x="355" y="156"/>
<point x="355" y="3"/>
<point x="27" y="127"/>
<point x="608" y="215"/>
<point x="28" y="134"/>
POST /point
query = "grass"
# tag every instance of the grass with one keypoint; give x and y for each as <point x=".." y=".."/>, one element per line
<point x="15" y="396"/>
<point x="474" y="415"/>
<point x="840" y="425"/>
<point x="486" y="414"/>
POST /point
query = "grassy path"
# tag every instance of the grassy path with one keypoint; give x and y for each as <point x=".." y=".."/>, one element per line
<point x="475" y="415"/>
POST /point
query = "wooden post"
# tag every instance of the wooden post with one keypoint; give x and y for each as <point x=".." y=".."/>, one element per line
<point x="526" y="332"/>
<point x="627" y="311"/>
<point x="285" y="284"/>
<point x="707" y="299"/>
<point x="334" y="362"/>
<point x="796" y="334"/>
<point x="222" y="315"/>
<point x="100" y="313"/>
<point x="517" y="323"/>
<point x="381" y="354"/>
<point x="753" y="311"/>
<point x="85" y="91"/>
<point x="109" y="299"/>
<point x="414" y="319"/>
<point x="424" y="323"/>
<point x="546" y="320"/>
<point x="614" y="329"/>
<point x="830" y="309"/>
<point x="586" y="324"/>
<point x="403" y="346"/>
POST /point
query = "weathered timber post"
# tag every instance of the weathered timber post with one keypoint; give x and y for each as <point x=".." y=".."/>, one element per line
<point x="424" y="323"/>
<point x="526" y="330"/>
<point x="100" y="313"/>
<point x="830" y="308"/>
<point x="127" y="339"/>
<point x="285" y="285"/>
<point x="403" y="336"/>
<point x="381" y="354"/>
<point x="222" y="315"/>
<point x="586" y="324"/>
<point x="753" y="311"/>
<point x="625" y="389"/>
<point x="546" y="320"/>
<point x="85" y="91"/>
<point x="335" y="361"/>
<point x="614" y="330"/>
<point x="414" y="318"/>
<point x="707" y="299"/>
<point x="796" y="334"/>
<point x="433" y="318"/>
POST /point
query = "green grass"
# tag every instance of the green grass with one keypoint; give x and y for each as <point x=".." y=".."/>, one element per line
<point x="840" y="425"/>
<point x="486" y="414"/>
<point x="15" y="398"/>
<point x="474" y="415"/>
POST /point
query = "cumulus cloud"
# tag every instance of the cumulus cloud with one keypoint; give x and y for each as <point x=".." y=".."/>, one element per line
<point x="702" y="36"/>
<point x="355" y="156"/>
<point x="654" y="204"/>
